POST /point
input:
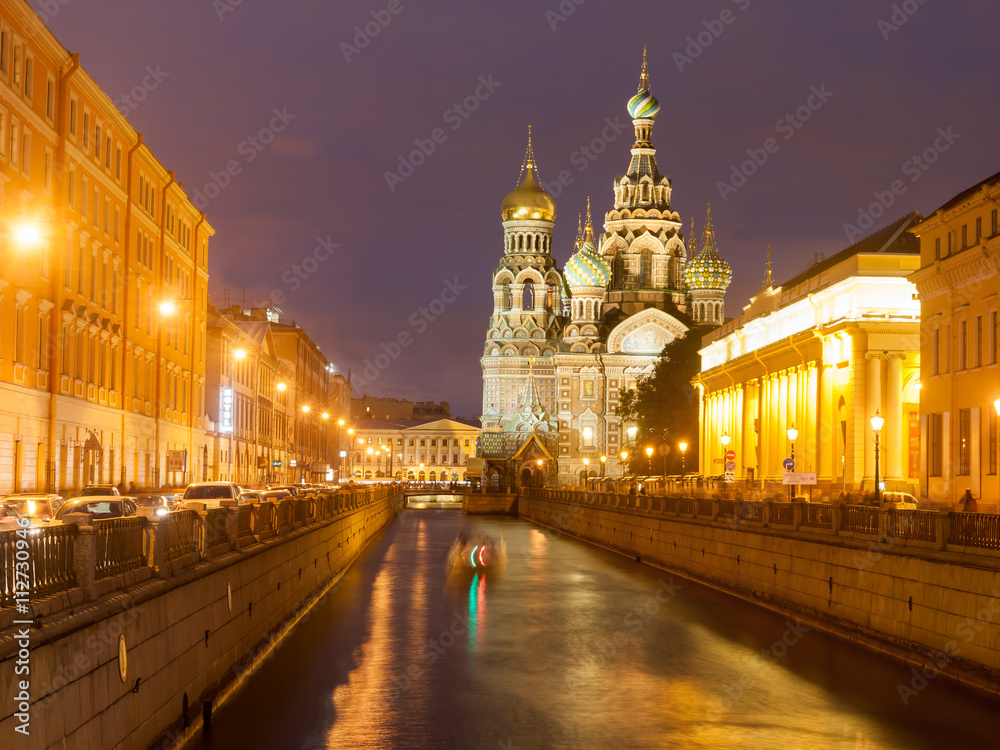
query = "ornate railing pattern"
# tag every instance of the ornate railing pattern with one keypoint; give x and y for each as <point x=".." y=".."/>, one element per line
<point x="977" y="530"/>
<point x="48" y="552"/>
<point x="860" y="519"/>
<point x="120" y="546"/>
<point x="183" y="532"/>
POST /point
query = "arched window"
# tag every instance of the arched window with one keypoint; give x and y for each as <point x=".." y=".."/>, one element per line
<point x="646" y="269"/>
<point x="618" y="271"/>
<point x="528" y="303"/>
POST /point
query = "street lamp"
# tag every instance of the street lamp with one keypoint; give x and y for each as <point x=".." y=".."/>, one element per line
<point x="792" y="434"/>
<point x="877" y="423"/>
<point x="604" y="460"/>
<point x="683" y="447"/>
<point x="27" y="235"/>
<point x="624" y="457"/>
<point x="586" y="465"/>
<point x="649" y="457"/>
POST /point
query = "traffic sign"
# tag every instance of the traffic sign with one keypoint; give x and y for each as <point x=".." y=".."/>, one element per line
<point x="729" y="476"/>
<point x="802" y="477"/>
<point x="730" y="466"/>
<point x="663" y="450"/>
<point x="730" y="455"/>
<point x="789" y="464"/>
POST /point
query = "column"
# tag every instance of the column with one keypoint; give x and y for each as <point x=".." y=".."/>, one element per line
<point x="826" y="434"/>
<point x="895" y="446"/>
<point x="810" y="395"/>
<point x="873" y="402"/>
<point x="776" y="441"/>
<point x="742" y="439"/>
<point x="783" y="423"/>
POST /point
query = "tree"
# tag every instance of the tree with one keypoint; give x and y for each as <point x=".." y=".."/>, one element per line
<point x="664" y="406"/>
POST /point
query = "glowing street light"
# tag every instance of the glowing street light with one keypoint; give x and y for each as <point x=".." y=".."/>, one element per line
<point x="683" y="447"/>
<point x="792" y="434"/>
<point x="604" y="460"/>
<point x="877" y="422"/>
<point x="306" y="408"/>
<point x="282" y="387"/>
<point x="167" y="308"/>
<point x="27" y="235"/>
<point x="649" y="456"/>
<point x="240" y="354"/>
<point x="624" y="457"/>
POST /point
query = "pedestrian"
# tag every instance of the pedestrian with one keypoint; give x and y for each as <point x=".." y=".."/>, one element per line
<point x="132" y="489"/>
<point x="969" y="503"/>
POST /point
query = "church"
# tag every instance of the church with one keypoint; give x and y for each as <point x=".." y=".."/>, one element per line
<point x="563" y="345"/>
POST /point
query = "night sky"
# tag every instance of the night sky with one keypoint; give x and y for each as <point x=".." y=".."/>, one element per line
<point x="887" y="88"/>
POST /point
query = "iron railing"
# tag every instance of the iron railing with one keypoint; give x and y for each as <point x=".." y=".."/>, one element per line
<point x="119" y="546"/>
<point x="35" y="562"/>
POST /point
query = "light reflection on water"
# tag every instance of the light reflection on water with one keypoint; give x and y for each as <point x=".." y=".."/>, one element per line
<point x="571" y="647"/>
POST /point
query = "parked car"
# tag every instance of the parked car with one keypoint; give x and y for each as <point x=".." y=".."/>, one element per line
<point x="40" y="507"/>
<point x="161" y="504"/>
<point x="899" y="500"/>
<point x="99" y="507"/>
<point x="291" y="489"/>
<point x="249" y="497"/>
<point x="274" y="495"/>
<point x="211" y="492"/>
<point x="92" y="490"/>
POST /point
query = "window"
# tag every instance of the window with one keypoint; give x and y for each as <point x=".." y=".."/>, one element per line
<point x="97" y="143"/>
<point x="50" y="99"/>
<point x="993" y="440"/>
<point x="42" y="362"/>
<point x="29" y="74"/>
<point x="936" y="351"/>
<point x="107" y="153"/>
<point x="993" y="223"/>
<point x="979" y="229"/>
<point x="936" y="445"/>
<point x="964" y="436"/>
<point x="72" y="115"/>
<point x="26" y="154"/>
<point x="963" y="343"/>
<point x="17" y="65"/>
<point x="14" y="143"/>
<point x="118" y="224"/>
<point x="979" y="341"/>
<point x="48" y="170"/>
<point x="993" y="337"/>
<point x="949" y="242"/>
<point x="118" y="163"/>
<point x="937" y="249"/>
<point x="19" y="325"/>
<point x="86" y="130"/>
<point x="3" y="132"/>
<point x="71" y="189"/>
<point x="4" y="50"/>
<point x="965" y="236"/>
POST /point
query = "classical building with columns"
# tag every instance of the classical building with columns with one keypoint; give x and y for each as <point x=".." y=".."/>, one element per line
<point x="562" y="346"/>
<point x="959" y="280"/>
<point x="822" y="353"/>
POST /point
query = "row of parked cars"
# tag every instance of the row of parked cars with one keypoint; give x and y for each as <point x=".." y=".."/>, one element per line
<point x="106" y="501"/>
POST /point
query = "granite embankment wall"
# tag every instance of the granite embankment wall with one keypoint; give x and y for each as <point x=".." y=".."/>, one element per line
<point x="931" y="603"/>
<point x="132" y="664"/>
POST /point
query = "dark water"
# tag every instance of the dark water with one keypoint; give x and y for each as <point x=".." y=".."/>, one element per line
<point x="570" y="647"/>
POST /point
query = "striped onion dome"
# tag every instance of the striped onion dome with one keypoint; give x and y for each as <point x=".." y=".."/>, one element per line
<point x="587" y="268"/>
<point x="644" y="106"/>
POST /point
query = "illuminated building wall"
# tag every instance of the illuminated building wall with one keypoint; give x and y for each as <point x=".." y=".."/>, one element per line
<point x="422" y="450"/>
<point x="96" y="383"/>
<point x="958" y="282"/>
<point x="821" y="353"/>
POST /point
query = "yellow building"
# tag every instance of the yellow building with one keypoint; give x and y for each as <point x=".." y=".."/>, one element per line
<point x="103" y="284"/>
<point x="821" y="354"/>
<point x="958" y="280"/>
<point x="433" y="450"/>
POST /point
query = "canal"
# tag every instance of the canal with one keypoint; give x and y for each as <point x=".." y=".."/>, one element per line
<point x="568" y="647"/>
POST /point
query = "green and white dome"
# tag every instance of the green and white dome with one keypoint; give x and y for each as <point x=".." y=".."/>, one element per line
<point x="587" y="268"/>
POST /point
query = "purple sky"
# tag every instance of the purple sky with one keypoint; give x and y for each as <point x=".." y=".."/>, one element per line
<point x="324" y="175"/>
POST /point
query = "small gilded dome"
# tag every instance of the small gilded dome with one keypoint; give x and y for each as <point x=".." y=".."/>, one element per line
<point x="587" y="268"/>
<point x="529" y="201"/>
<point x="708" y="270"/>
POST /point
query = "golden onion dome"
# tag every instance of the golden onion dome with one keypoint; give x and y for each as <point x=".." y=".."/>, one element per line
<point x="529" y="202"/>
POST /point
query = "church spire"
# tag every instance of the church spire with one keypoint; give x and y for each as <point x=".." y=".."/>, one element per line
<point x="709" y="240"/>
<point x="579" y="232"/>
<point x="529" y="164"/>
<point x="768" y="277"/>
<point x="644" y="80"/>
<point x="693" y="245"/>
<point x="589" y="236"/>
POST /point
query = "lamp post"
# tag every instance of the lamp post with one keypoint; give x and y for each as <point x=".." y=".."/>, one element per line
<point x="624" y="457"/>
<point x="649" y="457"/>
<point x="586" y="467"/>
<point x="877" y="423"/>
<point x="792" y="434"/>
<point x="604" y="460"/>
<point x="541" y="477"/>
<point x="683" y="447"/>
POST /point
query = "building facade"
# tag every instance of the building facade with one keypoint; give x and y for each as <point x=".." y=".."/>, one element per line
<point x="103" y="284"/>
<point x="422" y="449"/>
<point x="562" y="346"/>
<point x="958" y="281"/>
<point x="821" y="354"/>
<point x="275" y="401"/>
